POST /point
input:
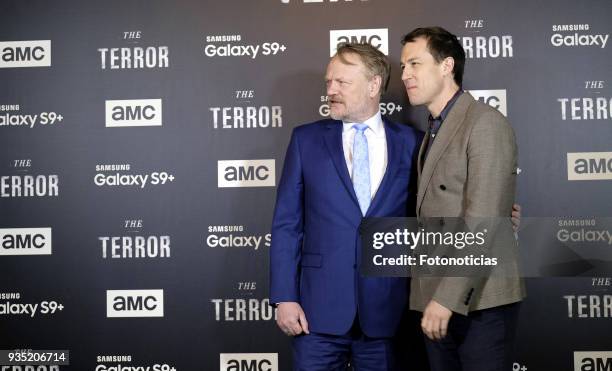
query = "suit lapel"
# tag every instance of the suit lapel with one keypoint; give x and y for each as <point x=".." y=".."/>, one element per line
<point x="424" y="143"/>
<point x="333" y="142"/>
<point x="394" y="150"/>
<point x="449" y="128"/>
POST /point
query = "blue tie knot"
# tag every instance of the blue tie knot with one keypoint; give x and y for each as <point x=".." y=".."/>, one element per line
<point x="360" y="127"/>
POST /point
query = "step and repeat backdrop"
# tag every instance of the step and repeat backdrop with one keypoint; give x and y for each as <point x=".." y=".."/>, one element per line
<point x="141" y="143"/>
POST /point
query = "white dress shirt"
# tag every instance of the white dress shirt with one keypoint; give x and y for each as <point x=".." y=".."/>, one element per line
<point x="377" y="149"/>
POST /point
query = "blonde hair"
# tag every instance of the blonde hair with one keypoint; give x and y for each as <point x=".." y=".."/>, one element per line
<point x="374" y="60"/>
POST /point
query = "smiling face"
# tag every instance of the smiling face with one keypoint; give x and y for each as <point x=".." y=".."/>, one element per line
<point x="425" y="80"/>
<point x="353" y="95"/>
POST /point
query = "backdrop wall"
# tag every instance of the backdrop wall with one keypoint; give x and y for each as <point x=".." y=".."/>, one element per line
<point x="141" y="143"/>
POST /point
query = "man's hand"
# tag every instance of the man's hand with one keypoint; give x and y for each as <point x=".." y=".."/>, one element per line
<point x="516" y="217"/>
<point x="435" y="320"/>
<point x="290" y="319"/>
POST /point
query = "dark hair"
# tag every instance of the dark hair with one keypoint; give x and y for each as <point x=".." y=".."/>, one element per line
<point x="374" y="60"/>
<point x="441" y="44"/>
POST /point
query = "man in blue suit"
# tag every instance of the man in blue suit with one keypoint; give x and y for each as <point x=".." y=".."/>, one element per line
<point x="337" y="172"/>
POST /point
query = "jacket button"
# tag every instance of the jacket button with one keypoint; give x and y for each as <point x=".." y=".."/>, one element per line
<point x="443" y="187"/>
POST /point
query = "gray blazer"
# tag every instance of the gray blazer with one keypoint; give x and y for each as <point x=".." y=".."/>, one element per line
<point x="470" y="171"/>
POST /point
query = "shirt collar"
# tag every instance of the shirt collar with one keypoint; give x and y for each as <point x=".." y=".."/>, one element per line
<point x="375" y="123"/>
<point x="448" y="107"/>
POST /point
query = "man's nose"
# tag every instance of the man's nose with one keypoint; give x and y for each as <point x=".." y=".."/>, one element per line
<point x="331" y="89"/>
<point x="406" y="74"/>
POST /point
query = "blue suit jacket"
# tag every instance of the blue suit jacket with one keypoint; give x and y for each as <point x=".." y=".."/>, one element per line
<point x="316" y="250"/>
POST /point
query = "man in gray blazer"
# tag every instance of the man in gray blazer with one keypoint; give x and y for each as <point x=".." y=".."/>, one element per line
<point x="467" y="168"/>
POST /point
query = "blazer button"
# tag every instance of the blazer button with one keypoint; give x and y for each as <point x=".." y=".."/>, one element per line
<point x="442" y="222"/>
<point x="443" y="187"/>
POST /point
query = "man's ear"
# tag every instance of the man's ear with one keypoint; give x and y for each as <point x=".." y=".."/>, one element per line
<point x="375" y="86"/>
<point x="447" y="65"/>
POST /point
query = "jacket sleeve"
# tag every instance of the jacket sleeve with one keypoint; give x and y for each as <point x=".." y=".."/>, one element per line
<point x="288" y="228"/>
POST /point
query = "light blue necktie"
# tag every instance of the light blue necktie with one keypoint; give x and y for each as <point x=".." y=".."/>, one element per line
<point x="361" y="167"/>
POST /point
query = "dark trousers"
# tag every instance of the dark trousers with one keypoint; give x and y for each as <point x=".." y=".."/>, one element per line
<point x="321" y="352"/>
<point x="481" y="341"/>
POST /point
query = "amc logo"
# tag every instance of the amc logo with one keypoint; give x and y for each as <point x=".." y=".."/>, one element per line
<point x="25" y="241"/>
<point x="134" y="303"/>
<point x="589" y="166"/>
<point x="35" y="53"/>
<point x="248" y="362"/>
<point x="134" y="112"/>
<point x="494" y="98"/>
<point x="246" y="173"/>
<point x="592" y="361"/>
<point x="377" y="37"/>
